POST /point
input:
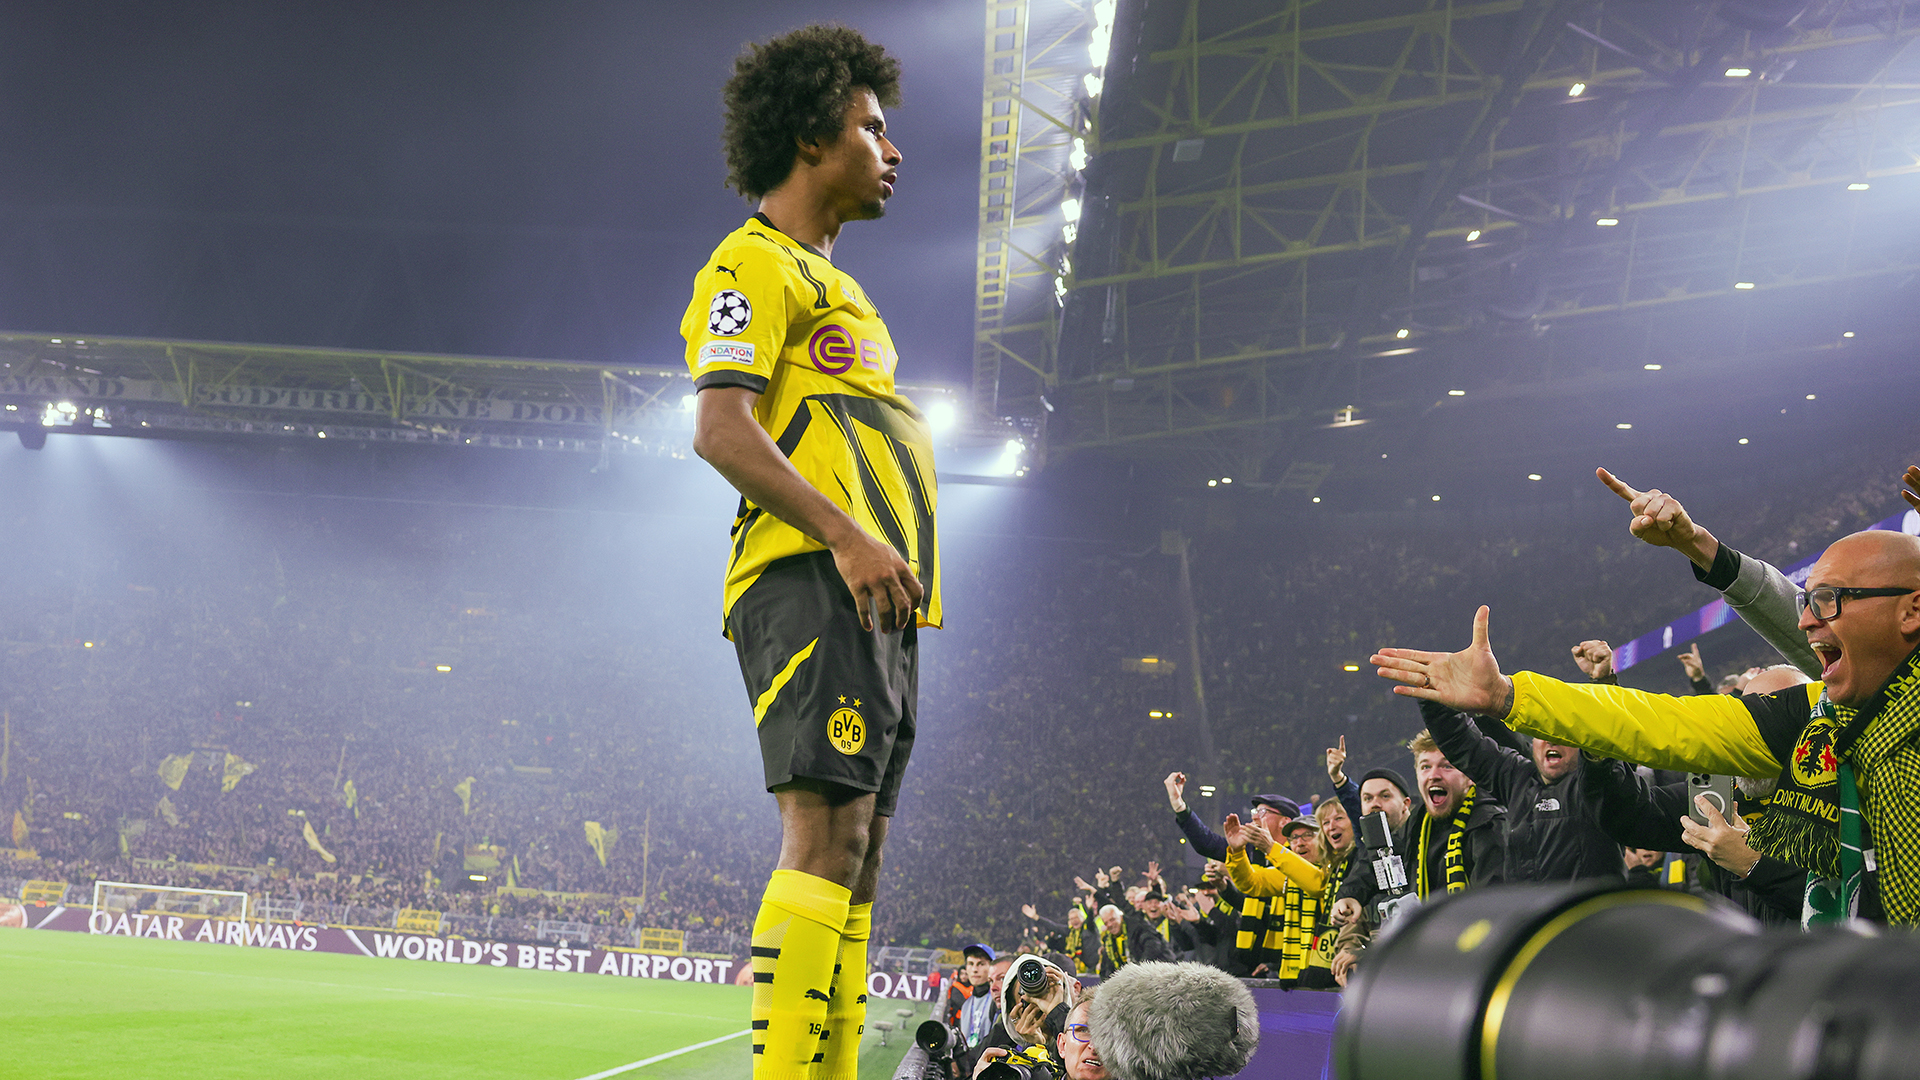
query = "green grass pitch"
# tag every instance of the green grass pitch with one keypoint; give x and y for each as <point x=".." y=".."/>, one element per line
<point x="88" y="1007"/>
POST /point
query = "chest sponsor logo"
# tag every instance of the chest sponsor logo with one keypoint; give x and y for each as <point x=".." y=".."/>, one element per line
<point x="729" y="313"/>
<point x="834" y="351"/>
<point x="726" y="352"/>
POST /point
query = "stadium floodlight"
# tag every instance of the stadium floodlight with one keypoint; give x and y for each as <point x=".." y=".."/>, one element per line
<point x="1070" y="209"/>
<point x="1456" y="393"/>
<point x="1743" y="442"/>
<point x="688" y="401"/>
<point x="942" y="417"/>
<point x="1069" y="232"/>
<point x="1650" y="367"/>
<point x="1472" y="236"/>
<point x="1401" y="333"/>
<point x="1624" y="427"/>
<point x="1858" y="185"/>
<point x="1350" y="667"/>
<point x="1607" y="222"/>
<point x="1738" y="72"/>
<point x="1848" y="334"/>
<point x="1576" y="89"/>
<point x="1743" y="284"/>
<point x="1533" y="476"/>
<point x="1316" y="498"/>
<point x="1077" y="157"/>
<point x="1810" y="397"/>
<point x="1093" y="83"/>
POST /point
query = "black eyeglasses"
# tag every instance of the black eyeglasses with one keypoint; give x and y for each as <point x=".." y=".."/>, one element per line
<point x="1825" y="601"/>
<point x="1079" y="1033"/>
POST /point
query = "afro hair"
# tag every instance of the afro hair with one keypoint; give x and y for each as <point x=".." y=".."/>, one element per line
<point x="794" y="89"/>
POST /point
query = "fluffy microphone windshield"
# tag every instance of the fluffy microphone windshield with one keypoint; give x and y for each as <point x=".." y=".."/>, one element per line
<point x="1156" y="1021"/>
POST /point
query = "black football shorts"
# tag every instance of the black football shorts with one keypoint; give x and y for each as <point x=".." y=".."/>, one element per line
<point x="831" y="701"/>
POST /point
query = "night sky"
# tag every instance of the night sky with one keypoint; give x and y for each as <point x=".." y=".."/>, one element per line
<point x="169" y="165"/>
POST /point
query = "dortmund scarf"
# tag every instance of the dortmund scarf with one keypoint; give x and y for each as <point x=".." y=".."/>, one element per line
<point x="1113" y="947"/>
<point x="1300" y="914"/>
<point x="1454" y="860"/>
<point x="1854" y="775"/>
<point x="1074" y="940"/>
<point x="1336" y="877"/>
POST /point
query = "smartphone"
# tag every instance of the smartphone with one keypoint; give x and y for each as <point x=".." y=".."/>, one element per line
<point x="1717" y="789"/>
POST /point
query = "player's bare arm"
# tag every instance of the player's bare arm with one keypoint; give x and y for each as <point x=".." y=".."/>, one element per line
<point x="727" y="437"/>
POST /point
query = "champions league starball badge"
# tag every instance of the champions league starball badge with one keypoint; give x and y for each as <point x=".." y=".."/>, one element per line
<point x="729" y="313"/>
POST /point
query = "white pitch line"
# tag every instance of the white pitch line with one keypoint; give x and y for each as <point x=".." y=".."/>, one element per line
<point x="669" y="1054"/>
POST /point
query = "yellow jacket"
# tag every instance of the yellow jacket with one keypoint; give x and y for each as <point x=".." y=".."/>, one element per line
<point x="1705" y="733"/>
<point x="1272" y="880"/>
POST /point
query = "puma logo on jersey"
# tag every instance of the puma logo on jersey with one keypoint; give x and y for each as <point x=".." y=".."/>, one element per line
<point x="726" y="271"/>
<point x="815" y="995"/>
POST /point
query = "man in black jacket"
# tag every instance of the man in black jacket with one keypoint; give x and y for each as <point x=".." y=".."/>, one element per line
<point x="1641" y="813"/>
<point x="1553" y="826"/>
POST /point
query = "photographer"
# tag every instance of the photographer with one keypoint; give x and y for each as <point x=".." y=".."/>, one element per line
<point x="1454" y="839"/>
<point x="1074" y="1054"/>
<point x="971" y="1008"/>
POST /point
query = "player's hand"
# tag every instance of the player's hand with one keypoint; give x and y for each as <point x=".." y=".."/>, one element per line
<point x="1235" y="833"/>
<point x="1469" y="680"/>
<point x="1723" y="841"/>
<point x="1660" y="520"/>
<point x="1690" y="660"/>
<point x="1176" y="791"/>
<point x="1912" y="480"/>
<point x="879" y="580"/>
<point x="1343" y="963"/>
<point x="1337" y="763"/>
<point x="1595" y="658"/>
<point x="1345" y="910"/>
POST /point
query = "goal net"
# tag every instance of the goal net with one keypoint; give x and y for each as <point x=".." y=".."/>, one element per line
<point x="130" y="898"/>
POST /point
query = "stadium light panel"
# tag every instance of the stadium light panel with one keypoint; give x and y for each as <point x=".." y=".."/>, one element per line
<point x="1456" y="393"/>
<point x="1316" y="498"/>
<point x="1533" y="476"/>
<point x="1472" y="236"/>
<point x="1650" y="367"/>
<point x="1070" y="209"/>
<point x="1213" y="483"/>
<point x="1738" y="72"/>
<point x="1847" y="334"/>
<point x="1576" y="89"/>
<point x="942" y="417"/>
<point x="320" y="434"/>
<point x="1093" y="83"/>
<point x="443" y="668"/>
<point x="1401" y="333"/>
<point x="1743" y="442"/>
<point x="1859" y="185"/>
<point x="1624" y="427"/>
<point x="1743" y="284"/>
<point x="88" y="644"/>
<point x="1436" y="498"/>
<point x="1350" y="667"/>
<point x="1229" y="479"/>
<point x="1607" y="222"/>
<point x="1810" y="397"/>
<point x="688" y="401"/>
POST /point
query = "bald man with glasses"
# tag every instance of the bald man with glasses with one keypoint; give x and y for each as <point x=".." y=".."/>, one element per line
<point x="1846" y="748"/>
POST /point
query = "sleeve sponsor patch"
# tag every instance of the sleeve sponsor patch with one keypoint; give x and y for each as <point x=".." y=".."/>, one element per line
<point x="726" y="352"/>
<point x="729" y="313"/>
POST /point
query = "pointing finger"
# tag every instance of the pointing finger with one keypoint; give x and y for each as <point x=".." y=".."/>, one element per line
<point x="1616" y="485"/>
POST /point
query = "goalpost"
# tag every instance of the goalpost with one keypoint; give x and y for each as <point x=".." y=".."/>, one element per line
<point x="116" y="897"/>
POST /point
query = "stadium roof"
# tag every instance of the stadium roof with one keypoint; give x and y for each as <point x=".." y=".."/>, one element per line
<point x="1306" y="220"/>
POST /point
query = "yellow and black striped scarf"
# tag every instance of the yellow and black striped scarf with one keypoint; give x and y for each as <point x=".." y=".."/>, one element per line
<point x="1115" y="947"/>
<point x="1454" y="860"/>
<point x="1300" y="915"/>
<point x="1075" y="937"/>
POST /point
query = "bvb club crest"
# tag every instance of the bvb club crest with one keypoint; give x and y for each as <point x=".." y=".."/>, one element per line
<point x="1814" y="762"/>
<point x="847" y="730"/>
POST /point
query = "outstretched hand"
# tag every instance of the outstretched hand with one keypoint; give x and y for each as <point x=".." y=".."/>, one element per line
<point x="1337" y="763"/>
<point x="1660" y="520"/>
<point x="1176" y="783"/>
<point x="1029" y="911"/>
<point x="1468" y="680"/>
<point x="1696" y="668"/>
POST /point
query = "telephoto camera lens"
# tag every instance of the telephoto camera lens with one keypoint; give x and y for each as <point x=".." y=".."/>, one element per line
<point x="933" y="1037"/>
<point x="1594" y="982"/>
<point x="1032" y="977"/>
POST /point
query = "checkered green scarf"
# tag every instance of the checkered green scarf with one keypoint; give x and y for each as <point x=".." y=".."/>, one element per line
<point x="1854" y="776"/>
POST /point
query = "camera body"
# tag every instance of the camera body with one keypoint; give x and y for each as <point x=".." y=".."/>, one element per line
<point x="1389" y="870"/>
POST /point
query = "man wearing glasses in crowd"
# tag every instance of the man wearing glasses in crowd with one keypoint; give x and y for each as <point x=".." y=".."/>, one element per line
<point x="1848" y="805"/>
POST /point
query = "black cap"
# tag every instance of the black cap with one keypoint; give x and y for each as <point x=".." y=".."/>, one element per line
<point x="981" y="948"/>
<point x="1281" y="803"/>
<point x="1390" y="777"/>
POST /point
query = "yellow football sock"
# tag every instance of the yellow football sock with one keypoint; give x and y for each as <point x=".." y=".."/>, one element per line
<point x="847" y="1012"/>
<point x="795" y="940"/>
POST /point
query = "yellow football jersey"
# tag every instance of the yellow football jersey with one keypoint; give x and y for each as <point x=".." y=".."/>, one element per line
<point x="773" y="315"/>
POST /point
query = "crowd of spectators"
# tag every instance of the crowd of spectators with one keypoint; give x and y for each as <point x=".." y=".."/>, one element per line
<point x="408" y="650"/>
